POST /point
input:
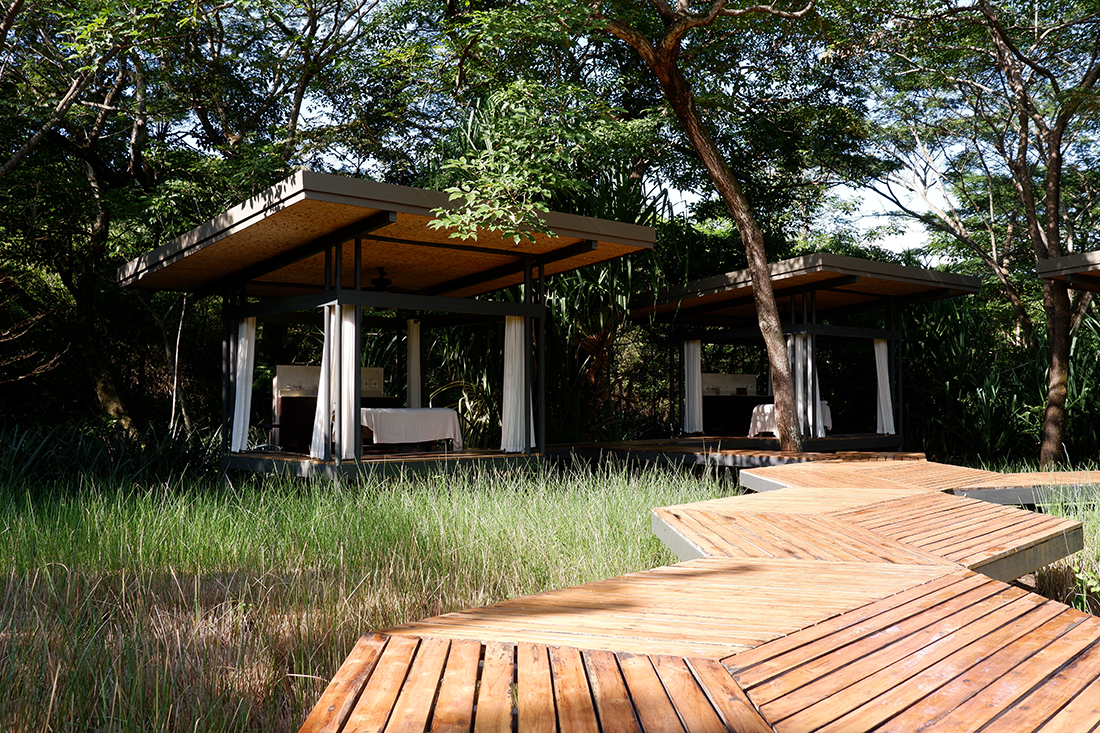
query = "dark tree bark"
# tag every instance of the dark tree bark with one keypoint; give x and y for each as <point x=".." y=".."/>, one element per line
<point x="662" y="58"/>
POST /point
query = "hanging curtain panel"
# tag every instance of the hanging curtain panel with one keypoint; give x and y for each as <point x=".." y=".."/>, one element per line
<point x="513" y="436"/>
<point x="413" y="346"/>
<point x="322" y="417"/>
<point x="807" y="394"/>
<point x="885" y="403"/>
<point x="693" y="387"/>
<point x="242" y="399"/>
<point x="347" y="412"/>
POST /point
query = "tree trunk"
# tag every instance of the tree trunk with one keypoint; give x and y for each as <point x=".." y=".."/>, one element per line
<point x="85" y="289"/>
<point x="1059" y="314"/>
<point x="679" y="95"/>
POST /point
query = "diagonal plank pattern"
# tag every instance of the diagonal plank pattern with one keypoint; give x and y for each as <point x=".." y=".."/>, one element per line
<point x="406" y="685"/>
<point x="872" y="526"/>
<point x="803" y="609"/>
<point x="708" y="607"/>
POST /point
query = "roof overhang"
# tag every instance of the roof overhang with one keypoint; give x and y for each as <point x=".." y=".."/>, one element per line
<point x="840" y="284"/>
<point x="1080" y="271"/>
<point x="276" y="244"/>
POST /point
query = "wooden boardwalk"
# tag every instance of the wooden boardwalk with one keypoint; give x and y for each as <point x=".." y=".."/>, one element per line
<point x="802" y="609"/>
<point x="713" y="452"/>
<point x="1003" y="488"/>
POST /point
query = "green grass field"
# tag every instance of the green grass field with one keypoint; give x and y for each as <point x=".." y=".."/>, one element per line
<point x="198" y="608"/>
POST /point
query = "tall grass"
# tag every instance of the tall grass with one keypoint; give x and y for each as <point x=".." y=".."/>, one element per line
<point x="1075" y="580"/>
<point x="193" y="607"/>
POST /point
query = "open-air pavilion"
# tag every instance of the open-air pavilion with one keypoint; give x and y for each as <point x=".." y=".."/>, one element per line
<point x="322" y="248"/>
<point x="813" y="292"/>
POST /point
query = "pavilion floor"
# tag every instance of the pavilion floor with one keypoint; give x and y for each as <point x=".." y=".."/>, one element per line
<point x="400" y="460"/>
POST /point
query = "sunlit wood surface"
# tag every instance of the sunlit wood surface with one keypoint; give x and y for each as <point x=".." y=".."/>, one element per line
<point x="812" y="608"/>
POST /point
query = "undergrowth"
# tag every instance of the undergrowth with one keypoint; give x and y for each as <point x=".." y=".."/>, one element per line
<point x="190" y="606"/>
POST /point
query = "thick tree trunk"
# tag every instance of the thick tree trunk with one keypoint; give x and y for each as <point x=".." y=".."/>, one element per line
<point x="84" y="287"/>
<point x="679" y="95"/>
<point x="1059" y="314"/>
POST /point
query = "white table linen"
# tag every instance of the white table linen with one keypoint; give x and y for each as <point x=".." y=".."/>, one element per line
<point x="412" y="424"/>
<point x="763" y="419"/>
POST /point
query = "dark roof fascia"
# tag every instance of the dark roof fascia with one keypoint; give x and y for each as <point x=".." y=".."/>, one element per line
<point x="822" y="262"/>
<point x="1080" y="270"/>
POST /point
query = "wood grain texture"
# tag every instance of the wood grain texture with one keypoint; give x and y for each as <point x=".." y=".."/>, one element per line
<point x="813" y="609"/>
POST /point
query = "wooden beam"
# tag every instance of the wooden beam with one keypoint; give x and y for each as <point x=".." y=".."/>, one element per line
<point x="834" y="283"/>
<point x="752" y="333"/>
<point x="285" y="259"/>
<point x="1083" y="282"/>
<point x="512" y="268"/>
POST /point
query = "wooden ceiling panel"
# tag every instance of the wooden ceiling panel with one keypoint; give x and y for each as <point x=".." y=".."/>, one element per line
<point x="293" y="220"/>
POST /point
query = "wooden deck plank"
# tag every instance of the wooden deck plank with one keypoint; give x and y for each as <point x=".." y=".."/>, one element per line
<point x="1082" y="713"/>
<point x="898" y="606"/>
<point x="731" y="702"/>
<point x="831" y="671"/>
<point x="613" y="706"/>
<point x="454" y="708"/>
<point x="336" y="703"/>
<point x="886" y="691"/>
<point x="493" y="712"/>
<point x="1033" y="711"/>
<point x="687" y="697"/>
<point x="572" y="696"/>
<point x="1021" y="676"/>
<point x="414" y="703"/>
<point x="710" y="607"/>
<point x="950" y="706"/>
<point x="379" y="694"/>
<point x="708" y="538"/>
<point x="651" y="701"/>
<point x="534" y="690"/>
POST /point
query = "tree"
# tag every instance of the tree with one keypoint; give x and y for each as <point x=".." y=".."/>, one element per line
<point x="992" y="120"/>
<point x="127" y="124"/>
<point x="759" y="62"/>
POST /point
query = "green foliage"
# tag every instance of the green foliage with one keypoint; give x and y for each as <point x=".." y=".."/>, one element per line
<point x="103" y="452"/>
<point x="970" y="394"/>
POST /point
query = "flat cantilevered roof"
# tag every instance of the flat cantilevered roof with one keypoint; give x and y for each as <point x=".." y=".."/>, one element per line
<point x="275" y="244"/>
<point x="840" y="284"/>
<point x="1081" y="270"/>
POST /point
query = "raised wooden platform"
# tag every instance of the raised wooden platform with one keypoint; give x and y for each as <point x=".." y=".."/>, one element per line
<point x="387" y="464"/>
<point x="709" y="607"/>
<point x="722" y="452"/>
<point x="806" y="609"/>
<point x="871" y="525"/>
<point x="406" y="685"/>
<point x="1021" y="489"/>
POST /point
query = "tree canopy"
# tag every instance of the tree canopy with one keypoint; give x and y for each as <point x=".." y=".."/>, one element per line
<point x="127" y="124"/>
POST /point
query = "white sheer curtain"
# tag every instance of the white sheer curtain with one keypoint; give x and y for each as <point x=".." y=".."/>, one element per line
<point x="349" y="372"/>
<point x="885" y="403"/>
<point x="412" y="343"/>
<point x="513" y="435"/>
<point x="693" y="387"/>
<point x="242" y="398"/>
<point x="800" y="354"/>
<point x="336" y="417"/>
<point x="322" y="417"/>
